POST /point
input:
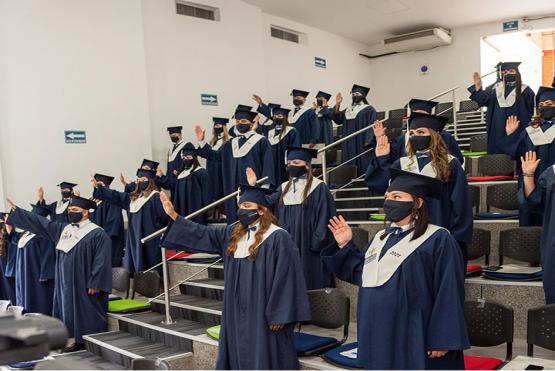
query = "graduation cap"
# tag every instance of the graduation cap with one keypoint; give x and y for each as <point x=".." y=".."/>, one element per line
<point x="324" y="95"/>
<point x="41" y="210"/>
<point x="150" y="163"/>
<point x="220" y="120"/>
<point x="415" y="184"/>
<point x="83" y="203"/>
<point x="241" y="108"/>
<point x="150" y="174"/>
<point x="301" y="153"/>
<point x="281" y="111"/>
<point x="423" y="120"/>
<point x="106" y="179"/>
<point x="545" y="93"/>
<point x="360" y="89"/>
<point x="175" y="129"/>
<point x="299" y="93"/>
<point x="504" y="66"/>
<point x="189" y="150"/>
<point x="422" y="105"/>
<point x="68" y="185"/>
<point x="245" y="115"/>
<point x="258" y="195"/>
<point x="273" y="106"/>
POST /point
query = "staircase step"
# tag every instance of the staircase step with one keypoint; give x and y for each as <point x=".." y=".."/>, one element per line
<point x="209" y="283"/>
<point x="194" y="303"/>
<point x="85" y="360"/>
<point x="182" y="328"/>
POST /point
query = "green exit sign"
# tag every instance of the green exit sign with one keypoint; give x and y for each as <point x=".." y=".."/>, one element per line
<point x="510" y="26"/>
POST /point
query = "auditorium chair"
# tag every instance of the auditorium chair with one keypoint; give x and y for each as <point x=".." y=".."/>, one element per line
<point x="146" y="284"/>
<point x="149" y="364"/>
<point x="541" y="328"/>
<point x="489" y="324"/>
<point x="329" y="309"/>
<point x="501" y="196"/>
<point x="480" y="246"/>
<point x="479" y="143"/>
<point x="335" y="357"/>
<point x="522" y="244"/>
<point x="121" y="279"/>
<point x="380" y="115"/>
<point x="445" y="110"/>
<point x="468" y="106"/>
<point x="397" y="113"/>
<point x="342" y="175"/>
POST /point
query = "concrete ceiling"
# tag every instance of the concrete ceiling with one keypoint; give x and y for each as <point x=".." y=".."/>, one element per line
<point x="370" y="21"/>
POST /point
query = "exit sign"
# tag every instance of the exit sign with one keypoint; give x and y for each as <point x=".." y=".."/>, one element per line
<point x="510" y="26"/>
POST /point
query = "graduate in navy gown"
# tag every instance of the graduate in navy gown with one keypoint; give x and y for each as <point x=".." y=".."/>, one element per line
<point x="280" y="137"/>
<point x="8" y="253"/>
<point x="249" y="149"/>
<point x="411" y="283"/>
<point x="398" y="147"/>
<point x="507" y="97"/>
<point x="175" y="152"/>
<point x="539" y="137"/>
<point x="427" y="155"/>
<point x="35" y="270"/>
<point x="232" y="131"/>
<point x="359" y="115"/>
<point x="302" y="117"/>
<point x="266" y="124"/>
<point x="303" y="206"/>
<point x="83" y="278"/>
<point x="264" y="291"/>
<point x="538" y="192"/>
<point x="145" y="216"/>
<point x="190" y="189"/>
<point x="110" y="218"/>
<point x="58" y="210"/>
<point x="325" y="117"/>
<point x="145" y="165"/>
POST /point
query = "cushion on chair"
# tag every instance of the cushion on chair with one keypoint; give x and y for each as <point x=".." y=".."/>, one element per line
<point x="491" y="215"/>
<point x="335" y="357"/>
<point x="214" y="332"/>
<point x="379" y="217"/>
<point x="127" y="306"/>
<point x="176" y="255"/>
<point x="489" y="178"/>
<point x="474" y="154"/>
<point x="306" y="342"/>
<point x="114" y="297"/>
<point x="481" y="363"/>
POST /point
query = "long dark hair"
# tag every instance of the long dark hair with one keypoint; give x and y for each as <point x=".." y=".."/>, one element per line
<point x="196" y="164"/>
<point x="265" y="220"/>
<point x="419" y="216"/>
<point x="224" y="136"/>
<point x="309" y="180"/>
<point x="439" y="155"/>
<point x="518" y="85"/>
<point x="284" y="124"/>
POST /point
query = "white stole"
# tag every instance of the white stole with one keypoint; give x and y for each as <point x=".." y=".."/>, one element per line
<point x="510" y="99"/>
<point x="24" y="239"/>
<point x="295" y="197"/>
<point x="239" y="152"/>
<point x="352" y="112"/>
<point x="292" y="118"/>
<point x="135" y="206"/>
<point x="248" y="239"/>
<point x="61" y="206"/>
<point x="219" y="143"/>
<point x="411" y="164"/>
<point x="71" y="235"/>
<point x="185" y="173"/>
<point x="172" y="153"/>
<point x="275" y="139"/>
<point x="540" y="137"/>
<point x="377" y="272"/>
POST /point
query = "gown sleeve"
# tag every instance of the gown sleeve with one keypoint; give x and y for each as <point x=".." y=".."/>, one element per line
<point x="338" y="117"/>
<point x="461" y="216"/>
<point x="324" y="210"/>
<point x="512" y="144"/>
<point x="114" y="221"/>
<point x="167" y="181"/>
<point x="314" y="126"/>
<point x="454" y="147"/>
<point x="369" y="118"/>
<point x="267" y="163"/>
<point x="447" y="328"/>
<point x="189" y="236"/>
<point x="482" y="97"/>
<point x="345" y="263"/>
<point x="265" y="110"/>
<point x="47" y="259"/>
<point x="208" y="153"/>
<point x="536" y="199"/>
<point x="529" y="100"/>
<point x="36" y="224"/>
<point x="294" y="138"/>
<point x="377" y="175"/>
<point x="100" y="277"/>
<point x="119" y="199"/>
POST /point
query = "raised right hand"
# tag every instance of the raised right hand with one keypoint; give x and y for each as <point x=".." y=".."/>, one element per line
<point x="379" y="129"/>
<point x="251" y="177"/>
<point x="383" y="148"/>
<point x="257" y="99"/>
<point x="168" y="206"/>
<point x="477" y="80"/>
<point x="340" y="230"/>
<point x="529" y="162"/>
<point x="338" y="99"/>
<point x="199" y="133"/>
<point x="40" y="194"/>
<point x="511" y="125"/>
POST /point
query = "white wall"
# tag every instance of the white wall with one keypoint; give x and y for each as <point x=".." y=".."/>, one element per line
<point x="70" y="64"/>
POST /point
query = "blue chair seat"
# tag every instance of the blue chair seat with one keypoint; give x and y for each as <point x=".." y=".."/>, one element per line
<point x="490" y="215"/>
<point x="334" y="356"/>
<point x="114" y="297"/>
<point x="500" y="276"/>
<point x="306" y="342"/>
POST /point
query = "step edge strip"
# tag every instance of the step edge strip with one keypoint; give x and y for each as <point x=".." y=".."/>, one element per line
<point x="191" y="307"/>
<point x="112" y="347"/>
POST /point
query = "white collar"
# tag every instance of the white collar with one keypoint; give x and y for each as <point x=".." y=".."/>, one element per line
<point x="247" y="240"/>
<point x="404" y="228"/>
<point x="247" y="135"/>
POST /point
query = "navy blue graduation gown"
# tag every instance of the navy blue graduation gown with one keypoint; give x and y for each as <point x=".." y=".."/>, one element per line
<point x="325" y="117"/>
<point x="308" y="226"/>
<point x="141" y="223"/>
<point x="305" y="121"/>
<point x="355" y="146"/>
<point x="174" y="157"/>
<point x="87" y="265"/>
<point x="279" y="149"/>
<point x="398" y="148"/>
<point x="56" y="215"/>
<point x="7" y="270"/>
<point x="259" y="158"/>
<point x="214" y="168"/>
<point x="258" y="293"/>
<point x="110" y="218"/>
<point x="264" y="125"/>
<point x="190" y="193"/>
<point x="516" y="145"/>
<point x="453" y="210"/>
<point x="36" y="261"/>
<point x="419" y="309"/>
<point x="542" y="199"/>
<point x="496" y="116"/>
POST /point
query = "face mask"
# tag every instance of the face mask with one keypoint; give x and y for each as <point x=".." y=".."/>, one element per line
<point x="298" y="102"/>
<point x="419" y="142"/>
<point x="243" y="128"/>
<point x="188" y="163"/>
<point x="357" y="98"/>
<point x="510" y="77"/>
<point x="174" y="139"/>
<point x="218" y="130"/>
<point x="547" y="112"/>
<point x="278" y="121"/>
<point x="397" y="210"/>
<point x="66" y="194"/>
<point x="320" y="102"/>
<point x="74" y="216"/>
<point x="296" y="171"/>
<point x="143" y="185"/>
<point x="247" y="217"/>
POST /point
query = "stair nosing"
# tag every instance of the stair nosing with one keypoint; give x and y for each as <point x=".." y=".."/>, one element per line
<point x="191" y="307"/>
<point x="200" y="284"/>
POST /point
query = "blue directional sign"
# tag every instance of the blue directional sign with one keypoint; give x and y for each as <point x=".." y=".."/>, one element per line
<point x="320" y="62"/>
<point x="209" y="99"/>
<point x="510" y="26"/>
<point x="75" y="136"/>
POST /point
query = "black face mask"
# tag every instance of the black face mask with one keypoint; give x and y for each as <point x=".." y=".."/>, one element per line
<point x="74" y="216"/>
<point x="218" y="130"/>
<point x="174" y="139"/>
<point x="298" y="102"/>
<point x="243" y="128"/>
<point x="510" y="77"/>
<point x="247" y="217"/>
<point x="296" y="171"/>
<point x="66" y="194"/>
<point x="547" y="112"/>
<point x="143" y="185"/>
<point x="188" y="163"/>
<point x="397" y="210"/>
<point x="419" y="142"/>
<point x="357" y="99"/>
<point x="279" y="121"/>
<point x="320" y="102"/>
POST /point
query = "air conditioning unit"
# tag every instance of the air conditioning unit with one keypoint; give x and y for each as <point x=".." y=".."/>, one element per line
<point x="419" y="40"/>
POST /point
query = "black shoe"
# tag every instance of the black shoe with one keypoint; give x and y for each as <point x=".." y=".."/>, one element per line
<point x="75" y="347"/>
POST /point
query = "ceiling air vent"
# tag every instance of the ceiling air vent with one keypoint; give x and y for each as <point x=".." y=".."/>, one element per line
<point x="197" y="10"/>
<point x="287" y="35"/>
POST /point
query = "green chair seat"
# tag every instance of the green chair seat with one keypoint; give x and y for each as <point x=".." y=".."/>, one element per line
<point x="474" y="154"/>
<point x="379" y="217"/>
<point x="127" y="306"/>
<point x="214" y="332"/>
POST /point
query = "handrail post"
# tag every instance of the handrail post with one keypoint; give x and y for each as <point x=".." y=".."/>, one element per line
<point x="166" y="274"/>
<point x="454" y="96"/>
<point x="324" y="168"/>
